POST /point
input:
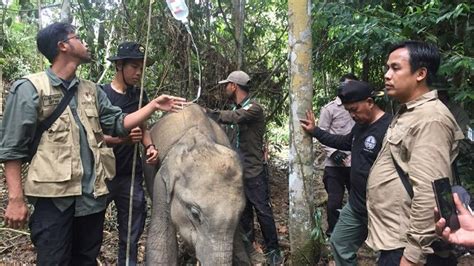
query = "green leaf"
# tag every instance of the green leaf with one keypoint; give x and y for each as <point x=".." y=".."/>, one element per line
<point x="8" y="21"/>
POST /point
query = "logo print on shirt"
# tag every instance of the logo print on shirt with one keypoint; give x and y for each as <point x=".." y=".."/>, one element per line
<point x="370" y="142"/>
<point x="51" y="100"/>
<point x="88" y="99"/>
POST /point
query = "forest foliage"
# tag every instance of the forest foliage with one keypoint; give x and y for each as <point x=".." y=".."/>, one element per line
<point x="348" y="36"/>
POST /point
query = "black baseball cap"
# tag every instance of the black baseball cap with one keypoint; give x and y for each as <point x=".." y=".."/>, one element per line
<point x="353" y="91"/>
<point x="130" y="50"/>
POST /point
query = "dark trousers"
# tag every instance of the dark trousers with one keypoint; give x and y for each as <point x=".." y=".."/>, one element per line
<point x="393" y="257"/>
<point x="336" y="180"/>
<point x="258" y="197"/>
<point x="119" y="192"/>
<point x="62" y="239"/>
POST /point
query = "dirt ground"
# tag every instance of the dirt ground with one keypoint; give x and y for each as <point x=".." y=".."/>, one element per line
<point x="16" y="247"/>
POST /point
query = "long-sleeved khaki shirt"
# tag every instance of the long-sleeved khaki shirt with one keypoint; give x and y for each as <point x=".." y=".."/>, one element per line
<point x="423" y="139"/>
<point x="335" y="119"/>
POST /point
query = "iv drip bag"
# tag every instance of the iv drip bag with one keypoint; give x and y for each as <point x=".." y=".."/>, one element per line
<point x="179" y="9"/>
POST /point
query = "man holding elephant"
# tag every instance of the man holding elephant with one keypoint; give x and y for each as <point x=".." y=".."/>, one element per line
<point x="248" y="121"/>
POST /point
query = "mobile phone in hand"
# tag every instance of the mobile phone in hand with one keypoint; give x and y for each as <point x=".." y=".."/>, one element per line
<point x="445" y="202"/>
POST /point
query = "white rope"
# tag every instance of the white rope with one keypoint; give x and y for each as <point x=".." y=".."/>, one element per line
<point x="198" y="60"/>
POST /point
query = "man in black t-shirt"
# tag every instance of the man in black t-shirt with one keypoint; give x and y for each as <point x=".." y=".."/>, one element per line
<point x="123" y="93"/>
<point x="364" y="141"/>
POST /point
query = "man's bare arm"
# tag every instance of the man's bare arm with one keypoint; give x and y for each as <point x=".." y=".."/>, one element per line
<point x="16" y="213"/>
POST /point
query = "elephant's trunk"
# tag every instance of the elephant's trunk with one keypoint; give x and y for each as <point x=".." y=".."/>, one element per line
<point x="219" y="254"/>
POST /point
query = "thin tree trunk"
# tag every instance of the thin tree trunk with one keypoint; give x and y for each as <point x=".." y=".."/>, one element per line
<point x="301" y="196"/>
<point x="365" y="69"/>
<point x="238" y="14"/>
<point x="2" y="29"/>
<point x="208" y="24"/>
<point x="40" y="26"/>
<point x="107" y="54"/>
<point x="99" y="68"/>
<point x="2" y="41"/>
<point x="2" y="95"/>
<point x="66" y="12"/>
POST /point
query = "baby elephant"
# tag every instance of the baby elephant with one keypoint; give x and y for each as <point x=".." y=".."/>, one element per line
<point x="197" y="190"/>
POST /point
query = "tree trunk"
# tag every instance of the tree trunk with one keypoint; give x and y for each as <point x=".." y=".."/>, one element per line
<point x="66" y="12"/>
<point x="365" y="69"/>
<point x="2" y="96"/>
<point x="304" y="250"/>
<point x="2" y="41"/>
<point x="208" y="24"/>
<point x="40" y="26"/>
<point x="107" y="53"/>
<point x="238" y="14"/>
<point x="100" y="48"/>
<point x="2" y="30"/>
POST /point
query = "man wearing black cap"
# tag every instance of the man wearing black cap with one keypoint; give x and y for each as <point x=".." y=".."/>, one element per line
<point x="123" y="93"/>
<point x="364" y="141"/>
<point x="248" y="120"/>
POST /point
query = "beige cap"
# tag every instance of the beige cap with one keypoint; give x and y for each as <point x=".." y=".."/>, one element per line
<point x="238" y="77"/>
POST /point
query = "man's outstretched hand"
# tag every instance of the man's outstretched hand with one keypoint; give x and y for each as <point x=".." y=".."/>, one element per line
<point x="308" y="124"/>
<point x="169" y="103"/>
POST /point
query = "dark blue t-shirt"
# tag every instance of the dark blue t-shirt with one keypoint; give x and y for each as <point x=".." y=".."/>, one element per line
<point x="128" y="102"/>
<point x="364" y="142"/>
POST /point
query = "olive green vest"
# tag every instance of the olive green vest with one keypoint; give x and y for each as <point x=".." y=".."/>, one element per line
<point x="56" y="168"/>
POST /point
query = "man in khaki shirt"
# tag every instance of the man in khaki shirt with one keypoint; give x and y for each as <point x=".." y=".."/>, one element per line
<point x="422" y="139"/>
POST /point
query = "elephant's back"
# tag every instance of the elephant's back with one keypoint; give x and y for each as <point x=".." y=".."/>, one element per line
<point x="174" y="126"/>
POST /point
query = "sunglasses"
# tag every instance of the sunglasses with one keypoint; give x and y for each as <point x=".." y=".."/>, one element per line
<point x="72" y="37"/>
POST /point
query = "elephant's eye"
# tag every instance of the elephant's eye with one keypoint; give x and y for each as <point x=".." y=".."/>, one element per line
<point x="196" y="213"/>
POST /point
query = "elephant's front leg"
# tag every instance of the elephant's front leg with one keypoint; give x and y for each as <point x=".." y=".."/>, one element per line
<point x="241" y="248"/>
<point x="161" y="247"/>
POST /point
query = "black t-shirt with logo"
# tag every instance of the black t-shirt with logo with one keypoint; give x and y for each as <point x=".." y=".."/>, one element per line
<point x="128" y="102"/>
<point x="364" y="142"/>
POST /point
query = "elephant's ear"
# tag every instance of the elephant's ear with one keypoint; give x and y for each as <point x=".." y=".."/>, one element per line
<point x="168" y="180"/>
<point x="172" y="168"/>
